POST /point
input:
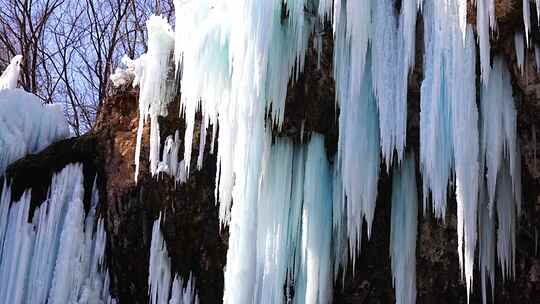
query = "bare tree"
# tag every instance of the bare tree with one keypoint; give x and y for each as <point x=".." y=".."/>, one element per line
<point x="70" y="48"/>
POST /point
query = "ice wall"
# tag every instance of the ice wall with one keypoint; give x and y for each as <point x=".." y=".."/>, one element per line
<point x="235" y="61"/>
<point x="57" y="255"/>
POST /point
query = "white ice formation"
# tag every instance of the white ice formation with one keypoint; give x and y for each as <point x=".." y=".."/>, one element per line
<point x="27" y="126"/>
<point x="55" y="255"/>
<point x="235" y="61"/>
<point x="403" y="231"/>
<point x="152" y="74"/>
<point x="10" y="77"/>
<point x="160" y="276"/>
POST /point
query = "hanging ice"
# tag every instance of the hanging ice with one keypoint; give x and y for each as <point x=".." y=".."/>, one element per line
<point x="159" y="275"/>
<point x="156" y="87"/>
<point x="506" y="229"/>
<point x="498" y="136"/>
<point x="184" y="295"/>
<point x="449" y="136"/>
<point x="501" y="157"/>
<point x="293" y="220"/>
<point x="486" y="244"/>
<point x="393" y="53"/>
<point x="385" y="83"/>
<point x="538" y="10"/>
<point x="314" y="283"/>
<point x="358" y="145"/>
<point x="235" y="60"/>
<point x="466" y="151"/>
<point x="436" y="152"/>
<point x="10" y="76"/>
<point x="169" y="163"/>
<point x="58" y="256"/>
<point x="537" y="57"/>
<point x="520" y="50"/>
<point x="27" y="126"/>
<point x="485" y="24"/>
<point x="527" y="20"/>
<point x="403" y="231"/>
<point x="278" y="219"/>
<point x="358" y="157"/>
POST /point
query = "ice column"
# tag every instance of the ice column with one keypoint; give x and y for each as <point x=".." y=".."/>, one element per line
<point x="159" y="275"/>
<point x="315" y="278"/>
<point x="486" y="244"/>
<point x="403" y="231"/>
<point x="436" y="151"/>
<point x="498" y="136"/>
<point x="485" y="24"/>
<point x="520" y="51"/>
<point x="506" y="229"/>
<point x="156" y="88"/>
<point x="466" y="151"/>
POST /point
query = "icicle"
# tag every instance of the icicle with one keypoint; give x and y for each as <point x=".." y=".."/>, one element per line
<point x="58" y="257"/>
<point x="537" y="55"/>
<point x="520" y="50"/>
<point x="506" y="229"/>
<point x="483" y="30"/>
<point x="202" y="144"/>
<point x="155" y="87"/>
<point x="181" y="295"/>
<point x="448" y="111"/>
<point x="403" y="231"/>
<point x="339" y="224"/>
<point x="498" y="123"/>
<point x="527" y="20"/>
<point x="325" y="10"/>
<point x="10" y="76"/>
<point x="169" y="160"/>
<point x="358" y="156"/>
<point x="315" y="284"/>
<point x="486" y="244"/>
<point x="235" y="61"/>
<point x="273" y="212"/>
<point x="159" y="274"/>
<point x="462" y="16"/>
<point x="466" y="152"/>
<point x="65" y="279"/>
<point x="17" y="252"/>
<point x="26" y="126"/>
<point x="538" y="10"/>
<point x="302" y="130"/>
<point x="406" y="59"/>
<point x="5" y="200"/>
<point x="436" y="151"/>
<point x="393" y="53"/>
<point x="385" y="83"/>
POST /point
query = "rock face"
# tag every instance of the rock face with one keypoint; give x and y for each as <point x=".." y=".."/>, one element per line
<point x="191" y="226"/>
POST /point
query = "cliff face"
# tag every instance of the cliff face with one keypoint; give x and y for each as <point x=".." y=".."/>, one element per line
<point x="191" y="226"/>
